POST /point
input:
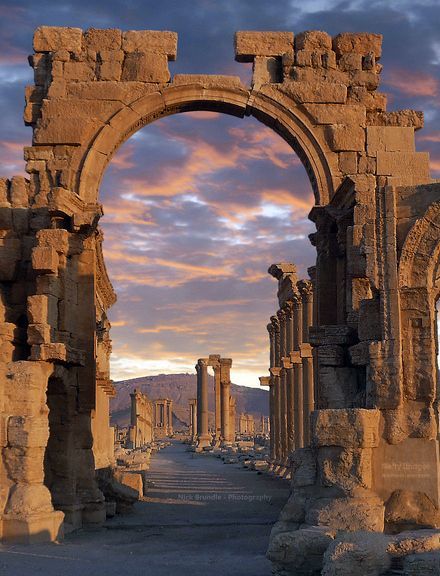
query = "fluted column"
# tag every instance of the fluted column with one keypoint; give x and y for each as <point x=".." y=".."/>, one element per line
<point x="267" y="381"/>
<point x="306" y="290"/>
<point x="288" y="308"/>
<point x="193" y="419"/>
<point x="225" y="393"/>
<point x="297" y="370"/>
<point x="170" y="417"/>
<point x="271" y="331"/>
<point x="218" y="405"/>
<point x="203" y="436"/>
<point x="275" y="372"/>
<point x="283" y="386"/>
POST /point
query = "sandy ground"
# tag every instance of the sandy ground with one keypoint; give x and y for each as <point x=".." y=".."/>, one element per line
<point x="201" y="518"/>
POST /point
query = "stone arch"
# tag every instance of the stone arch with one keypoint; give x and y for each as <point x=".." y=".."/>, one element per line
<point x="289" y="122"/>
<point x="421" y="251"/>
<point x="419" y="291"/>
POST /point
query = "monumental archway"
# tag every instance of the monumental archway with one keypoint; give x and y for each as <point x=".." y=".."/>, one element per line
<point x="92" y="91"/>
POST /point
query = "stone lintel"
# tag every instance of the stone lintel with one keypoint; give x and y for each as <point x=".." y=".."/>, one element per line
<point x="249" y="44"/>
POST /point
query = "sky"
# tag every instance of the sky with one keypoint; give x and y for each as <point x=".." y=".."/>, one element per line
<point x="198" y="205"/>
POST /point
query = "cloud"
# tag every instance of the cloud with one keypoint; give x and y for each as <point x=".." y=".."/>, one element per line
<point x="412" y="83"/>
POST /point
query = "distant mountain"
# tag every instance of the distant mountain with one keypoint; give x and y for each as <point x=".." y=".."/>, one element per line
<point x="180" y="388"/>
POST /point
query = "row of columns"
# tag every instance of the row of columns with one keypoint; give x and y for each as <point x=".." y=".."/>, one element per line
<point x="291" y="380"/>
<point x="224" y="431"/>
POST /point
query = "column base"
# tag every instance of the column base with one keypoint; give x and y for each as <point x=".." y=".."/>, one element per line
<point x="94" y="514"/>
<point x="203" y="442"/>
<point x="36" y="528"/>
<point x="72" y="517"/>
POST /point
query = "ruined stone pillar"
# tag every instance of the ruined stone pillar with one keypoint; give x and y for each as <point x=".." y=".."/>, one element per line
<point x="193" y="419"/>
<point x="218" y="405"/>
<point x="29" y="515"/>
<point x="272" y="391"/>
<point x="231" y="438"/>
<point x="204" y="439"/>
<point x="265" y="427"/>
<point x="288" y="367"/>
<point x="225" y="387"/>
<point x="274" y="370"/>
<point x="306" y="290"/>
<point x="170" y="417"/>
<point x="283" y="386"/>
<point x="297" y="371"/>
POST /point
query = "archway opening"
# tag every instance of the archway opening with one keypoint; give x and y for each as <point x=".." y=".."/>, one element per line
<point x="197" y="207"/>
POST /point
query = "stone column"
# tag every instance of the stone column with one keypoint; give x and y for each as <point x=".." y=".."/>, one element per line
<point x="266" y="381"/>
<point x="218" y="405"/>
<point x="193" y="419"/>
<point x="165" y="416"/>
<point x="306" y="291"/>
<point x="271" y="330"/>
<point x="283" y="386"/>
<point x="274" y="370"/>
<point x="297" y="371"/>
<point x="170" y="417"/>
<point x="275" y="379"/>
<point x="231" y="420"/>
<point x="288" y="308"/>
<point x="225" y="387"/>
<point x="203" y="437"/>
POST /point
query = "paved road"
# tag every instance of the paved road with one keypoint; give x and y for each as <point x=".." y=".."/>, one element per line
<point x="201" y="518"/>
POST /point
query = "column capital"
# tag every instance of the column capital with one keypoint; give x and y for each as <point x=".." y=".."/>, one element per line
<point x="286" y="363"/>
<point x="296" y="300"/>
<point x="305" y="288"/>
<point x="203" y="362"/>
<point x="265" y="380"/>
<point x="275" y="371"/>
<point x="226" y="361"/>
<point x="275" y="323"/>
<point x="295" y="357"/>
<point x="306" y="350"/>
<point x="281" y="314"/>
<point x="288" y="308"/>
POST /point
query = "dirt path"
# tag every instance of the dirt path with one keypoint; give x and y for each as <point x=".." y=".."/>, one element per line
<point x="200" y="518"/>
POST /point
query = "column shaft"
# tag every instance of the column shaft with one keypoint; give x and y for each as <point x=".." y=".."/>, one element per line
<point x="298" y="376"/>
<point x="218" y="404"/>
<point x="203" y="438"/>
<point x="290" y="411"/>
<point x="299" y="406"/>
<point x="309" y="396"/>
<point x="277" y="420"/>
<point x="225" y="432"/>
<point x="271" y="419"/>
<point x="283" y="386"/>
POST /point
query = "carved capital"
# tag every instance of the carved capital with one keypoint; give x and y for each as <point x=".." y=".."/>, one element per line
<point x="275" y="323"/>
<point x="305" y="288"/>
